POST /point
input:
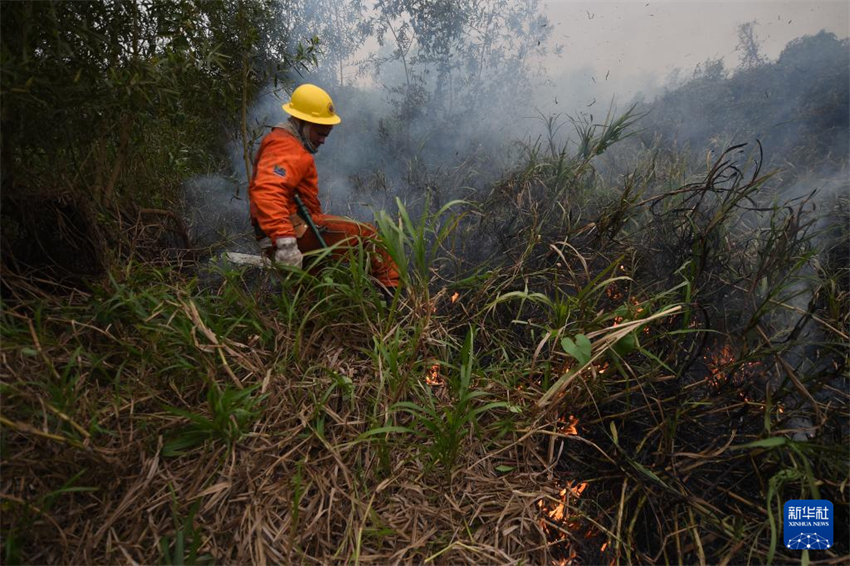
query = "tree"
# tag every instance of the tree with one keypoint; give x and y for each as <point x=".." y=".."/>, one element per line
<point x="108" y="105"/>
<point x="749" y="46"/>
<point x="340" y="25"/>
<point x="456" y="58"/>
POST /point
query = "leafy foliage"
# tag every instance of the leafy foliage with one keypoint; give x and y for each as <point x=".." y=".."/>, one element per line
<point x="108" y="106"/>
<point x="233" y="411"/>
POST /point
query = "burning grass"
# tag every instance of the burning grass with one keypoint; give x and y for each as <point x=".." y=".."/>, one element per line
<point x="627" y="388"/>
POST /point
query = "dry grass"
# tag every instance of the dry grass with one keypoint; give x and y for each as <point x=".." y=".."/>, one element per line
<point x="290" y="490"/>
<point x="603" y="407"/>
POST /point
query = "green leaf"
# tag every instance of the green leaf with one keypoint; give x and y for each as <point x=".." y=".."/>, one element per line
<point x="626" y="345"/>
<point x="79" y="489"/>
<point x="186" y="441"/>
<point x="614" y="433"/>
<point x="489" y="406"/>
<point x="647" y="472"/>
<point x="771" y="442"/>
<point x="580" y="349"/>
<point x="763" y="286"/>
<point x="384" y="430"/>
<point x="503" y="468"/>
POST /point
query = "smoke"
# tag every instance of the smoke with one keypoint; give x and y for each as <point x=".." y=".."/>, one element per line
<point x="431" y="101"/>
<point x="217" y="214"/>
<point x="797" y="106"/>
<point x="419" y="125"/>
<point x="422" y="121"/>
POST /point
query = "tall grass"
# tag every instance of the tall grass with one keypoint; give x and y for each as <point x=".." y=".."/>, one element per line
<point x="573" y="371"/>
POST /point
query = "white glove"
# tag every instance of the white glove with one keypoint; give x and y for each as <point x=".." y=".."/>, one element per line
<point x="287" y="252"/>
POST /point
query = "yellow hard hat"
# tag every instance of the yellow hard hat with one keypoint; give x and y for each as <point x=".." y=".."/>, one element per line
<point x="312" y="104"/>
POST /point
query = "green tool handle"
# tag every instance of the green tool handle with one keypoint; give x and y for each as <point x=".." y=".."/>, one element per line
<point x="305" y="214"/>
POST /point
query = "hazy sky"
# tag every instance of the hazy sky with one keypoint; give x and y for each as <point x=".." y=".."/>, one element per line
<point x="637" y="44"/>
<point x="617" y="50"/>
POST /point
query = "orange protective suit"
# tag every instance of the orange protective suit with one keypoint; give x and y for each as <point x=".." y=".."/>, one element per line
<point x="282" y="167"/>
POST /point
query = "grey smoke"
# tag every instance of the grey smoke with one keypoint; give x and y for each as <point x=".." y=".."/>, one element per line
<point x="217" y="214"/>
<point x="461" y="137"/>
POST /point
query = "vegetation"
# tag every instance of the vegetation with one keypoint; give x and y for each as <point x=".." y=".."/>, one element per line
<point x="579" y="368"/>
<point x="797" y="104"/>
<point x="566" y="404"/>
<point x="108" y="107"/>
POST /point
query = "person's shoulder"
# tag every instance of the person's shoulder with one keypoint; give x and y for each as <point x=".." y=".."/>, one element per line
<point x="281" y="137"/>
<point x="281" y="141"/>
<point x="286" y="140"/>
<point x="281" y="146"/>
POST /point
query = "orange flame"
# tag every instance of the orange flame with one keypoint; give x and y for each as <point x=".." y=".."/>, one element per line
<point x="719" y="363"/>
<point x="433" y="376"/>
<point x="613" y="292"/>
<point x="565" y="522"/>
<point x="567" y="427"/>
<point x="557" y="512"/>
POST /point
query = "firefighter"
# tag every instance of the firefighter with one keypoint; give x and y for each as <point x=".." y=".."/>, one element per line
<point x="284" y="167"/>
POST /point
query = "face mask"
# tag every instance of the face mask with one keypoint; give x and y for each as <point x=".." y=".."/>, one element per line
<point x="304" y="132"/>
<point x="300" y="130"/>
